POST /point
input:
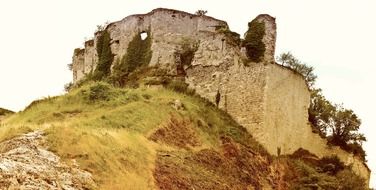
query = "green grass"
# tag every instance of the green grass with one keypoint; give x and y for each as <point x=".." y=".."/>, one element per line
<point x="129" y="138"/>
<point x="107" y="129"/>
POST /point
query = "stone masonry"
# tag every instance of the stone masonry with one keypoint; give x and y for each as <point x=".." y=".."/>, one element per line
<point x="269" y="100"/>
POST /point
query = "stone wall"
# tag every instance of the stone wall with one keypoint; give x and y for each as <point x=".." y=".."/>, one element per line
<point x="269" y="100"/>
<point x="286" y="125"/>
<point x="270" y="36"/>
<point x="168" y="29"/>
<point x="78" y="66"/>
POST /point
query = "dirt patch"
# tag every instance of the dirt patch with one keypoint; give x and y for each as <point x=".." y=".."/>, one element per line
<point x="177" y="132"/>
<point x="233" y="166"/>
<point x="282" y="173"/>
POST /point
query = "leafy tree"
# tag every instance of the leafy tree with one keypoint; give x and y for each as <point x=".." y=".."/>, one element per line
<point x="320" y="112"/>
<point x="344" y="126"/>
<point x="339" y="125"/>
<point x="288" y="60"/>
<point x="285" y="58"/>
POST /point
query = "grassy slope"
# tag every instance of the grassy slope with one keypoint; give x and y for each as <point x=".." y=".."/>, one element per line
<point x="110" y="137"/>
<point x="5" y="111"/>
<point x="136" y="139"/>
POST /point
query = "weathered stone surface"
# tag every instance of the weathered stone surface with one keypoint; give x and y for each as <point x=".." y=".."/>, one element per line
<point x="25" y="164"/>
<point x="168" y="28"/>
<point x="269" y="100"/>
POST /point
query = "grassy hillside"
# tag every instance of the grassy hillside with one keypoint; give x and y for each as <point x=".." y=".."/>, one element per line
<point x="150" y="138"/>
<point x="5" y="111"/>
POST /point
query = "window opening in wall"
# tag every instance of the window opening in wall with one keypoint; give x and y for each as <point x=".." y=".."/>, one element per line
<point x="143" y="35"/>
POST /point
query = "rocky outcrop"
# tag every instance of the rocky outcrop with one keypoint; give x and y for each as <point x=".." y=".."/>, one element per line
<point x="26" y="164"/>
<point x="269" y="100"/>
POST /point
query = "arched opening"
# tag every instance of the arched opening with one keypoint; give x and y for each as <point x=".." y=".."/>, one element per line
<point x="143" y="35"/>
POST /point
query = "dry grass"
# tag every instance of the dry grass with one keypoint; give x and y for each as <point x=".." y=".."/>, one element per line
<point x="135" y="139"/>
<point x="110" y="136"/>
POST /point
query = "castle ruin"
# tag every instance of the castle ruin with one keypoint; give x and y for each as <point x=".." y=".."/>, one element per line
<point x="269" y="100"/>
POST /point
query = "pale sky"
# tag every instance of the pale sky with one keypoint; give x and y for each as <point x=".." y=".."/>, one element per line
<point x="337" y="37"/>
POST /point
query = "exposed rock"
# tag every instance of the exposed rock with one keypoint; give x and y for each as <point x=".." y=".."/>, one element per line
<point x="26" y="164"/>
<point x="177" y="105"/>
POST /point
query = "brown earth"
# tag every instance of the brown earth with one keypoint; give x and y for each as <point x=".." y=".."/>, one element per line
<point x="233" y="166"/>
<point x="177" y="132"/>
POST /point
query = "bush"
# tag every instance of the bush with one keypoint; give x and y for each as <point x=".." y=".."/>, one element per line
<point x="232" y="38"/>
<point x="99" y="91"/>
<point x="68" y="86"/>
<point x="201" y="12"/>
<point x="179" y="86"/>
<point x="331" y="165"/>
<point x="356" y="149"/>
<point x="138" y="54"/>
<point x="184" y="55"/>
<point x="105" y="57"/>
<point x="350" y="181"/>
<point x="309" y="178"/>
<point x="253" y="40"/>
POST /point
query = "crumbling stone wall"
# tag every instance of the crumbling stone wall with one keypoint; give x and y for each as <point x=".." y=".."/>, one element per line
<point x="269" y="100"/>
<point x="78" y="66"/>
<point x="270" y="36"/>
<point x="168" y="29"/>
<point x="90" y="57"/>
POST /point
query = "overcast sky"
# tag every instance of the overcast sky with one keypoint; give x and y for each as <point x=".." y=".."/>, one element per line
<point x="37" y="39"/>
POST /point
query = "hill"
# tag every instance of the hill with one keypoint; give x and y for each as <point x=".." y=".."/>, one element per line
<point x="5" y="111"/>
<point x="149" y="138"/>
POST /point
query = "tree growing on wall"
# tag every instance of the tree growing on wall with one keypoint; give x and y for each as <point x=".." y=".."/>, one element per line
<point x="339" y="125"/>
<point x="320" y="111"/>
<point x="138" y="54"/>
<point x="105" y="56"/>
<point x="288" y="60"/>
<point x="253" y="43"/>
<point x="201" y="12"/>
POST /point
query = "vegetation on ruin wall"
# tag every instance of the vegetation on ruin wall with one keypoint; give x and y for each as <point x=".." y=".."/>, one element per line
<point x="105" y="57"/>
<point x="138" y="54"/>
<point x="184" y="55"/>
<point x="253" y="40"/>
<point x="232" y="37"/>
<point x="339" y="125"/>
